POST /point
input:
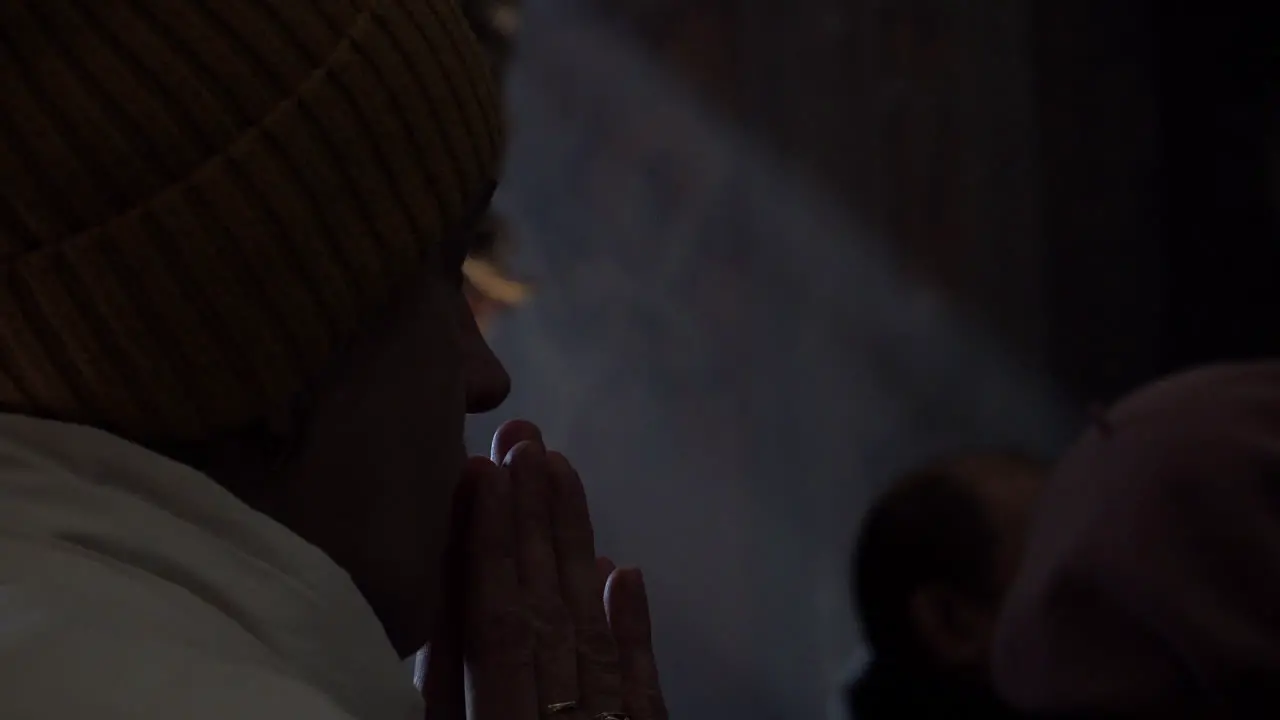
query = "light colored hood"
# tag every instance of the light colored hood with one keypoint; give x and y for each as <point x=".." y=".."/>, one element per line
<point x="135" y="587"/>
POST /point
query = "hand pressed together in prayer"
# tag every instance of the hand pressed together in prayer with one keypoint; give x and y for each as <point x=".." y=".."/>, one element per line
<point x="542" y="626"/>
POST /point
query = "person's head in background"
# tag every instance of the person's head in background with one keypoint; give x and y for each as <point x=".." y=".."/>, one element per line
<point x="1151" y="583"/>
<point x="235" y="233"/>
<point x="932" y="562"/>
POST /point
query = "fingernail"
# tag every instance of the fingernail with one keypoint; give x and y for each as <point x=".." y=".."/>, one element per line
<point x="634" y="579"/>
<point x="522" y="427"/>
<point x="636" y="600"/>
<point x="558" y="462"/>
<point x="525" y="451"/>
<point x="509" y="435"/>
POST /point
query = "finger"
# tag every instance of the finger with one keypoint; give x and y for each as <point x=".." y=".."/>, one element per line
<point x="599" y="685"/>
<point x="441" y="665"/>
<point x="627" y="604"/>
<point x="499" y="638"/>
<point x="511" y="434"/>
<point x="605" y="568"/>
<point x="555" y="652"/>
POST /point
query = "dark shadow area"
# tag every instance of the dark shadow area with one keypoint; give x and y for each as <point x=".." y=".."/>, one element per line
<point x="1221" y="179"/>
<point x="1106" y="274"/>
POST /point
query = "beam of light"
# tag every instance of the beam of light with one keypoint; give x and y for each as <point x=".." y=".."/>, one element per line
<point x="734" y="363"/>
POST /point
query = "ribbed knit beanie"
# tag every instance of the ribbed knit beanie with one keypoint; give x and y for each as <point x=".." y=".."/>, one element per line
<point x="202" y="200"/>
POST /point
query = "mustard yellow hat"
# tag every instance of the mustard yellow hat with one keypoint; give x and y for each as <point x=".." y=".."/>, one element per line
<point x="201" y="200"/>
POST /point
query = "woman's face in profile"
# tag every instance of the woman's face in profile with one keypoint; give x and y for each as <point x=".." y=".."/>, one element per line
<point x="372" y="482"/>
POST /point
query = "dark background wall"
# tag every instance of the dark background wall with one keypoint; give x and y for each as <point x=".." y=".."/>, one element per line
<point x="1220" y="119"/>
<point x="785" y="249"/>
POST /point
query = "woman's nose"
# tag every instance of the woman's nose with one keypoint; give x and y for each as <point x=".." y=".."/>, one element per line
<point x="487" y="381"/>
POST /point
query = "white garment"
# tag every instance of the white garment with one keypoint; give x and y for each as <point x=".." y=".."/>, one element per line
<point x="135" y="587"/>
